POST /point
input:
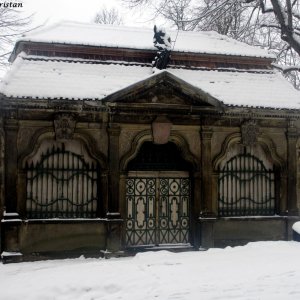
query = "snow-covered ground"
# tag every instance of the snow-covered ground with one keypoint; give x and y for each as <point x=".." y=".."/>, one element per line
<point x="262" y="270"/>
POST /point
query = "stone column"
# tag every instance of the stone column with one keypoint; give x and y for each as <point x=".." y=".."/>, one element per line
<point x="292" y="169"/>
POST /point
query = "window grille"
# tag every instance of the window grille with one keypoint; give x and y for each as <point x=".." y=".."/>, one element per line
<point x="246" y="187"/>
<point x="61" y="185"/>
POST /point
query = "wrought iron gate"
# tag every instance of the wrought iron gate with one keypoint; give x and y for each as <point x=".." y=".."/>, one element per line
<point x="61" y="185"/>
<point x="157" y="209"/>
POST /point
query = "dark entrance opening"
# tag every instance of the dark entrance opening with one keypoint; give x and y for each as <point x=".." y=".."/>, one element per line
<point x="154" y="157"/>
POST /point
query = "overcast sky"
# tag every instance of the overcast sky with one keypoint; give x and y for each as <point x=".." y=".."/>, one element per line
<point x="52" y="11"/>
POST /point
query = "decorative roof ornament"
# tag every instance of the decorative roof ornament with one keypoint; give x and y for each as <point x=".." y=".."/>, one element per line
<point x="162" y="41"/>
<point x="249" y="131"/>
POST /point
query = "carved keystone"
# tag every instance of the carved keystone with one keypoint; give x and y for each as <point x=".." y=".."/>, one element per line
<point x="161" y="129"/>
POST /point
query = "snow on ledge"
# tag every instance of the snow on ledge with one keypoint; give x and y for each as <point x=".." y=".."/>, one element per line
<point x="10" y="214"/>
<point x="10" y="220"/>
<point x="296" y="227"/>
<point x="9" y="254"/>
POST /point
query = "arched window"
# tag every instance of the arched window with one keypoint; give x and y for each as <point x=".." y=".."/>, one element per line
<point x="246" y="187"/>
<point x="61" y="184"/>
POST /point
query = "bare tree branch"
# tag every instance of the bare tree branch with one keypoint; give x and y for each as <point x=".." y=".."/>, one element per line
<point x="108" y="16"/>
<point x="285" y="69"/>
<point x="13" y="23"/>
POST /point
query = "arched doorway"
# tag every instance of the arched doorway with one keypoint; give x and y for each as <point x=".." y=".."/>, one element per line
<point x="158" y="196"/>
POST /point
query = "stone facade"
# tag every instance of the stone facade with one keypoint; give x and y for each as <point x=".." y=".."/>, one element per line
<point x="108" y="137"/>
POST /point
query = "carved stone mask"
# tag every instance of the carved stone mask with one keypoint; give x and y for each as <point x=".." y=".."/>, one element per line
<point x="64" y="125"/>
<point x="249" y="131"/>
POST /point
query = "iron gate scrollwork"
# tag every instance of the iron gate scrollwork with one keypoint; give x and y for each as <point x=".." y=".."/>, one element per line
<point x="157" y="211"/>
<point x="61" y="185"/>
<point x="246" y="187"/>
<point x="173" y="212"/>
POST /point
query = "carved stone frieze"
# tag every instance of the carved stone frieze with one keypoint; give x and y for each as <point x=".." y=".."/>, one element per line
<point x="64" y="126"/>
<point x="249" y="131"/>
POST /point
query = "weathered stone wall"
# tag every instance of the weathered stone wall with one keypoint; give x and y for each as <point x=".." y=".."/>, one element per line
<point x="46" y="237"/>
<point x="206" y="144"/>
<point x="233" y="232"/>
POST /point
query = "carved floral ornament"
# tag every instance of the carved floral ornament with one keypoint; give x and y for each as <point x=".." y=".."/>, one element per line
<point x="249" y="131"/>
<point x="64" y="126"/>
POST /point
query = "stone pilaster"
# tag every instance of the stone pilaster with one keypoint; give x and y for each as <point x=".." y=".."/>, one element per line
<point x="206" y="169"/>
<point x="11" y="221"/>
<point x="11" y="164"/>
<point x="206" y="217"/>
<point x="114" y="172"/>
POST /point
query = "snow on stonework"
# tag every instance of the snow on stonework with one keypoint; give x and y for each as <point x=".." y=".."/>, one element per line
<point x="296" y="227"/>
<point x="261" y="270"/>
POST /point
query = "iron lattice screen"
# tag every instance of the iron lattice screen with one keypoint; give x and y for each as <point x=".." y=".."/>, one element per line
<point x="157" y="211"/>
<point x="61" y="185"/>
<point x="246" y="187"/>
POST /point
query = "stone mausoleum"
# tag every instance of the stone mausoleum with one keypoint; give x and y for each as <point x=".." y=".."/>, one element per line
<point x="111" y="144"/>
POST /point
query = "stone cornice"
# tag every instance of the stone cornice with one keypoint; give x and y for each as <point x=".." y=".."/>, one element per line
<point x="92" y="106"/>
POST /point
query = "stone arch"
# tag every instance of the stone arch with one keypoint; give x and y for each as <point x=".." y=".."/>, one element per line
<point x="46" y="134"/>
<point x="155" y="185"/>
<point x="146" y="136"/>
<point x="265" y="151"/>
<point x="264" y="142"/>
<point x="81" y="146"/>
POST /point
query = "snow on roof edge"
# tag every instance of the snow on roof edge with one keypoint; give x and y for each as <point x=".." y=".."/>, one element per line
<point x="31" y="37"/>
<point x="135" y="80"/>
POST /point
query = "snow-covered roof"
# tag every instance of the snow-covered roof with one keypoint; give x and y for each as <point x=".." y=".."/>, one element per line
<point x="253" y="89"/>
<point x="141" y="38"/>
<point x="48" y="78"/>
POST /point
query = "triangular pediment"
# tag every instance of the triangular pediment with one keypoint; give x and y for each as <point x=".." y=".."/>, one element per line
<point x="164" y="88"/>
